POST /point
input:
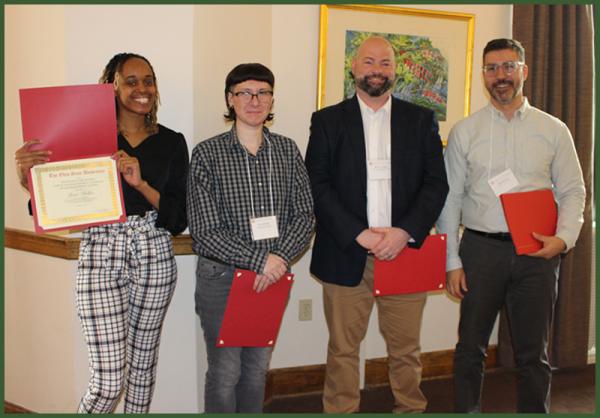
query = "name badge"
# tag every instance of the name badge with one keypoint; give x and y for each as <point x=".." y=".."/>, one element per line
<point x="503" y="182"/>
<point x="379" y="169"/>
<point x="264" y="228"/>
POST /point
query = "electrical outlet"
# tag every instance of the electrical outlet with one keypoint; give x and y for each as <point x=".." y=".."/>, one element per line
<point x="305" y="310"/>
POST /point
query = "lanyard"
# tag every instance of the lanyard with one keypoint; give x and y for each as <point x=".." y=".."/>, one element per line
<point x="250" y="178"/>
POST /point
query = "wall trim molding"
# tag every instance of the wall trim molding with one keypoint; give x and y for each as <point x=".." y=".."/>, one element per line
<point x="67" y="247"/>
<point x="309" y="379"/>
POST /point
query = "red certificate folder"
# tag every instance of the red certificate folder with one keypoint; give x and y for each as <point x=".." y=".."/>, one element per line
<point x="71" y="121"/>
<point x="252" y="319"/>
<point x="528" y="212"/>
<point x="74" y="122"/>
<point x="413" y="270"/>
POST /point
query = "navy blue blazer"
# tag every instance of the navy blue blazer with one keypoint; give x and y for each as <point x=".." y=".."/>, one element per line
<point x="336" y="163"/>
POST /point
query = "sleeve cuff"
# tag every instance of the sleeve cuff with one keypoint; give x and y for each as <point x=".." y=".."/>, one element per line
<point x="453" y="263"/>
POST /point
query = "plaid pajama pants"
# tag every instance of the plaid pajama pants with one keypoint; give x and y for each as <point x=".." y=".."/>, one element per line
<point x="125" y="280"/>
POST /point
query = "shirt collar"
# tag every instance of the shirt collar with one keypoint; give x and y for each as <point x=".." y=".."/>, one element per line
<point x="234" y="143"/>
<point x="365" y="109"/>
<point x="521" y="113"/>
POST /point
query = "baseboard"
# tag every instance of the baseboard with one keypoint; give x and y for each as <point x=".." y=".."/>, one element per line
<point x="306" y="379"/>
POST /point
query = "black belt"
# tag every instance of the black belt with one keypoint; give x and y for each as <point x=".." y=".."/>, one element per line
<point x="500" y="236"/>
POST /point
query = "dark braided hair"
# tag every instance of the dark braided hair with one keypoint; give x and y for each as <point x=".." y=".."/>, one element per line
<point x="109" y="75"/>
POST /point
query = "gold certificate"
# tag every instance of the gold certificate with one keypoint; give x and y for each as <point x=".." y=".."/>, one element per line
<point x="76" y="193"/>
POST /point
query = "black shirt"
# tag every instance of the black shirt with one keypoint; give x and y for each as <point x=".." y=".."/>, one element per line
<point x="164" y="161"/>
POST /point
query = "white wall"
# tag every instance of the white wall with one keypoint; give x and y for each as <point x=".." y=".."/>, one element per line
<point x="192" y="48"/>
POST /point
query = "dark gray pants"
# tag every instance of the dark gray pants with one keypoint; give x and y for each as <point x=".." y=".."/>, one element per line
<point x="527" y="287"/>
<point x="236" y="376"/>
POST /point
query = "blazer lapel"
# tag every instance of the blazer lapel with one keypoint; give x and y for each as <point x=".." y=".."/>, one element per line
<point x="353" y="121"/>
<point x="400" y="129"/>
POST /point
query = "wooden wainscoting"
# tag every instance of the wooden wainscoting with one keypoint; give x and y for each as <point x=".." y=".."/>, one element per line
<point x="306" y="379"/>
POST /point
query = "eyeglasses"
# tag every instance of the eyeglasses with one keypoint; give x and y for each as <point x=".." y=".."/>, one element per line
<point x="246" y="96"/>
<point x="509" y="67"/>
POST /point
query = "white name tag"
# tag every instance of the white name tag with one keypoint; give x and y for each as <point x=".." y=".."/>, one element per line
<point x="379" y="169"/>
<point x="264" y="228"/>
<point x="503" y="182"/>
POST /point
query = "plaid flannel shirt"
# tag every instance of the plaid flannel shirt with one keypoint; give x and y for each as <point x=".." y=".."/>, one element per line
<point x="219" y="205"/>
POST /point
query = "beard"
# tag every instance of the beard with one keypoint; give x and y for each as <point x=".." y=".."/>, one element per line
<point x="367" y="84"/>
<point x="505" y="91"/>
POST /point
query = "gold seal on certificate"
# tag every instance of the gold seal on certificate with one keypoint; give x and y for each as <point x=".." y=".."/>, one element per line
<point x="76" y="193"/>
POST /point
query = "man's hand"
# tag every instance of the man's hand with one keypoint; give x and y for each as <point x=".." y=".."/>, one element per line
<point x="368" y="239"/>
<point x="553" y="246"/>
<point x="456" y="283"/>
<point x="394" y="240"/>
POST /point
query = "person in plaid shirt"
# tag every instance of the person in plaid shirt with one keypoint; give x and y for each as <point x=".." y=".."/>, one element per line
<point x="249" y="206"/>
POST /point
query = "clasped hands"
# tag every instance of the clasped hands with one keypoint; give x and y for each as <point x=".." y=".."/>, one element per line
<point x="384" y="243"/>
<point x="275" y="267"/>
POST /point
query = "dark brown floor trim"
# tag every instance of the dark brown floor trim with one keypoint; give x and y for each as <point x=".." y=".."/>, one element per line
<point x="11" y="408"/>
<point x="435" y="364"/>
<point x="306" y="379"/>
<point x="68" y="248"/>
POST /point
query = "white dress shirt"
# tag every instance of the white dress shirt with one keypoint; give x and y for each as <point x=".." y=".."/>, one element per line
<point x="378" y="147"/>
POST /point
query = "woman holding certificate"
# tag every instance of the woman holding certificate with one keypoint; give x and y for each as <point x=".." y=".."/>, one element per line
<point x="126" y="271"/>
<point x="249" y="207"/>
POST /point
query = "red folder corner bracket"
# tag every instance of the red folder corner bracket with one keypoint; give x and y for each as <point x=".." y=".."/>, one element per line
<point x="413" y="270"/>
<point x="253" y="319"/>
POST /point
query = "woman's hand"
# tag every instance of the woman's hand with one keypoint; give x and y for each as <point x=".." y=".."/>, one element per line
<point x="26" y="158"/>
<point x="129" y="167"/>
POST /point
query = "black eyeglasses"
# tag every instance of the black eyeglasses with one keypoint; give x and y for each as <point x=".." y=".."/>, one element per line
<point x="509" y="67"/>
<point x="263" y="96"/>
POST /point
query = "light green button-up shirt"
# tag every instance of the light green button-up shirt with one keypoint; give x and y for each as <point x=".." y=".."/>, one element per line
<point x="539" y="150"/>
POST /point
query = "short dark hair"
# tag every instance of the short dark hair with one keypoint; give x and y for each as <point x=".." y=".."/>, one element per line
<point x="505" y="43"/>
<point x="245" y="72"/>
<point x="109" y="74"/>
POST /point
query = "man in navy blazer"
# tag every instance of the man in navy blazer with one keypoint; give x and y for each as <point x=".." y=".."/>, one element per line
<point x="378" y="179"/>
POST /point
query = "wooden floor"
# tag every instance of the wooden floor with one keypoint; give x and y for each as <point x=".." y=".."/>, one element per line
<point x="572" y="391"/>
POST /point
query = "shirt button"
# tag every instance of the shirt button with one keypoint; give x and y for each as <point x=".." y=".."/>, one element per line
<point x="262" y="207"/>
<point x="260" y="184"/>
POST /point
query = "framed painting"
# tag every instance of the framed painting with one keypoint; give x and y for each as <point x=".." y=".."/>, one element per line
<point x="434" y="55"/>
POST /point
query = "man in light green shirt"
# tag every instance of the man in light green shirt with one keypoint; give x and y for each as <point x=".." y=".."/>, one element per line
<point x="507" y="139"/>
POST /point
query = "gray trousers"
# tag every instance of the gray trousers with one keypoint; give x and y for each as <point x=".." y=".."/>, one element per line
<point x="235" y="379"/>
<point x="527" y="287"/>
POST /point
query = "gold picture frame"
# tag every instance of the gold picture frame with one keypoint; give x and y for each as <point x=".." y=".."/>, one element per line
<point x="449" y="32"/>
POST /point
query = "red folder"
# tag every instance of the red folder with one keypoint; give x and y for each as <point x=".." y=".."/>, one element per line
<point x="413" y="270"/>
<point x="252" y="319"/>
<point x="74" y="122"/>
<point x="527" y="212"/>
<point x="71" y="121"/>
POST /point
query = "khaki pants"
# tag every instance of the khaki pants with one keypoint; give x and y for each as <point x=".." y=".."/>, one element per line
<point x="347" y="312"/>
